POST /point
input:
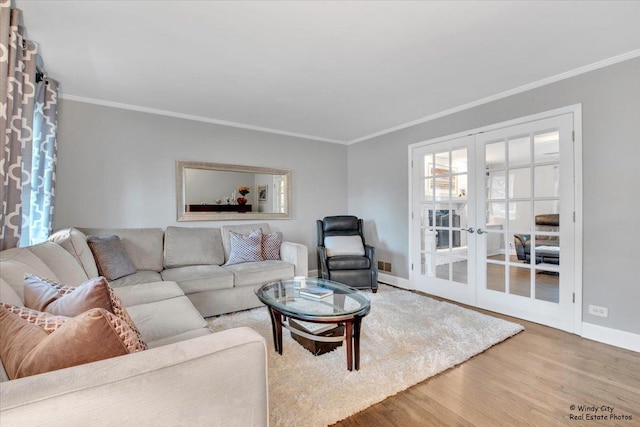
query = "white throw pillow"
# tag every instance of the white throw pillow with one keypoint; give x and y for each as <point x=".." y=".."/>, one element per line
<point x="343" y="245"/>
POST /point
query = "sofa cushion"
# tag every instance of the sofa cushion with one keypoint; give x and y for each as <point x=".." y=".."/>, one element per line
<point x="199" y="278"/>
<point x="112" y="258"/>
<point x="145" y="293"/>
<point x="64" y="265"/>
<point x="162" y="319"/>
<point x="144" y="276"/>
<point x="16" y="262"/>
<point x="42" y="296"/>
<point x="194" y="333"/>
<point x="8" y="295"/>
<point x="27" y="349"/>
<point x="244" y="229"/>
<point x="255" y="273"/>
<point x="245" y="248"/>
<point x="348" y="262"/>
<point x="271" y="245"/>
<point x="192" y="246"/>
<point x="344" y="245"/>
<point x="144" y="245"/>
<point x="74" y="241"/>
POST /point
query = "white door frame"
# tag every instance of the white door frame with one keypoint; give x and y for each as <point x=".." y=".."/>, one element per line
<point x="576" y="111"/>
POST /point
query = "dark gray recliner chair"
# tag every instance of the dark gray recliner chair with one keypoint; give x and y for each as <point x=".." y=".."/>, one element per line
<point x="357" y="271"/>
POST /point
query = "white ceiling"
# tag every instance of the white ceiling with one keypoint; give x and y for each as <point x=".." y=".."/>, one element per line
<point x="335" y="71"/>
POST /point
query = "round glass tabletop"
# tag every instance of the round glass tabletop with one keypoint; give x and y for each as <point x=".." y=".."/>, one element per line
<point x="314" y="299"/>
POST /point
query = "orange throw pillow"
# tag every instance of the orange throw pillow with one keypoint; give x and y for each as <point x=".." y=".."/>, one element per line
<point x="27" y="349"/>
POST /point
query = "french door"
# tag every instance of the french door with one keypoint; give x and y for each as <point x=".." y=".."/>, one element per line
<point x="489" y="212"/>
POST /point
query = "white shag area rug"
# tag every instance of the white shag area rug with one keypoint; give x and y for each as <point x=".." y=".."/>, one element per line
<point x="406" y="338"/>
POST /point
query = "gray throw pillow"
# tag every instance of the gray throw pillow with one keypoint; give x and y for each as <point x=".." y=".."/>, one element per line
<point x="111" y="257"/>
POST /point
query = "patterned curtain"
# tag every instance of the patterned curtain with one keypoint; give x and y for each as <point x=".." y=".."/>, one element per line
<point x="17" y="102"/>
<point x="37" y="197"/>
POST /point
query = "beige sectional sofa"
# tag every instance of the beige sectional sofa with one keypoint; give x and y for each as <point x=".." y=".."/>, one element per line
<point x="193" y="258"/>
<point x="188" y="376"/>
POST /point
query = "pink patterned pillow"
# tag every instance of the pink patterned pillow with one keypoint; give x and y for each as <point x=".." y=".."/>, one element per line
<point x="245" y="248"/>
<point x="271" y="245"/>
<point x="58" y="291"/>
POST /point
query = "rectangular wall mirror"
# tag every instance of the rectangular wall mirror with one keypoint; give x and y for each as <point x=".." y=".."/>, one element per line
<point x="210" y="192"/>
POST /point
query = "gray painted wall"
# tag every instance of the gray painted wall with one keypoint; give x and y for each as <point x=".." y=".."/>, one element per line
<point x="610" y="97"/>
<point x="116" y="168"/>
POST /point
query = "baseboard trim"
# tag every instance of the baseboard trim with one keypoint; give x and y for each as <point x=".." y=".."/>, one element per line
<point x="615" y="337"/>
<point x="394" y="280"/>
<point x="313" y="273"/>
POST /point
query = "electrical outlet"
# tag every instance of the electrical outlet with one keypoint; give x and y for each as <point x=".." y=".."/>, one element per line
<point x="599" y="311"/>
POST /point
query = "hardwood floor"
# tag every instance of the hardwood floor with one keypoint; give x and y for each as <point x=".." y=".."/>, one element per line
<point x="532" y="379"/>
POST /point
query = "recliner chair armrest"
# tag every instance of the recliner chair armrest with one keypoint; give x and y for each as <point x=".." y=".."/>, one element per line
<point x="370" y="252"/>
<point x="296" y="254"/>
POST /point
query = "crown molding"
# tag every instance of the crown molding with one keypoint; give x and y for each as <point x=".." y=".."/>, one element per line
<point x="558" y="77"/>
<point x="167" y="113"/>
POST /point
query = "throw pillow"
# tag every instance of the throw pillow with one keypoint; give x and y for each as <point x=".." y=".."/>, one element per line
<point x="47" y="321"/>
<point x="111" y="257"/>
<point x="63" y="300"/>
<point x="26" y="349"/>
<point x="42" y="295"/>
<point x="343" y="245"/>
<point x="245" y="248"/>
<point x="271" y="245"/>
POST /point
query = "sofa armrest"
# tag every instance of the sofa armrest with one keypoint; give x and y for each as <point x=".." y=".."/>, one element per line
<point x="218" y="380"/>
<point x="296" y="254"/>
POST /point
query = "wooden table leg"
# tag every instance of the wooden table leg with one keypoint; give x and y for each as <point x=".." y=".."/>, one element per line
<point x="348" y="326"/>
<point x="276" y="327"/>
<point x="356" y="342"/>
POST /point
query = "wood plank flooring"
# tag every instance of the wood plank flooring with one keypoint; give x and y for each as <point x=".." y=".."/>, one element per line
<point x="532" y="379"/>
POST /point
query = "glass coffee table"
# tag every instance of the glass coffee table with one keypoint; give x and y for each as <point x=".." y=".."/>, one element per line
<point x="319" y="302"/>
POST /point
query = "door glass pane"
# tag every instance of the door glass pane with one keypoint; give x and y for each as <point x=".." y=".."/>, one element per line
<point x="495" y="156"/>
<point x="461" y="186"/>
<point x="547" y="285"/>
<point x="428" y="165"/>
<point x="519" y="280"/>
<point x="443" y="261"/>
<point x="547" y="181"/>
<point x="443" y="187"/>
<point x="547" y="250"/>
<point x="459" y="161"/>
<point x="519" y="216"/>
<point x="546" y="147"/>
<point x="520" y="183"/>
<point x="496" y="277"/>
<point x="519" y="151"/>
<point x="496" y="184"/>
<point x="461" y="209"/>
<point x="519" y="247"/>
<point x="495" y="246"/>
<point x="546" y="207"/>
<point x="496" y="214"/>
<point x="428" y="189"/>
<point x="459" y="265"/>
<point x="442" y="166"/>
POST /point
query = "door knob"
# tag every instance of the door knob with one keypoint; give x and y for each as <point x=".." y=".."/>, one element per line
<point x="470" y="229"/>
<point x="481" y="231"/>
